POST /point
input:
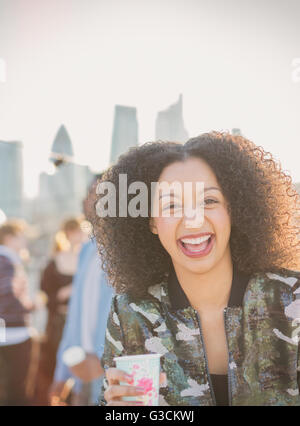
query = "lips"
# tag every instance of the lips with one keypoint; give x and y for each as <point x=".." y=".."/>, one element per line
<point x="196" y="245"/>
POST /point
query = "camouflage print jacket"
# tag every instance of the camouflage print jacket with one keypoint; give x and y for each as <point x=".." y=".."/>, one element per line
<point x="261" y="330"/>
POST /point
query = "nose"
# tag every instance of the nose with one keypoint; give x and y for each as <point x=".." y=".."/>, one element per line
<point x="193" y="217"/>
<point x="193" y="196"/>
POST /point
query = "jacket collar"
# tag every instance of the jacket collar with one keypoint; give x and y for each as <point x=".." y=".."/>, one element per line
<point x="179" y="300"/>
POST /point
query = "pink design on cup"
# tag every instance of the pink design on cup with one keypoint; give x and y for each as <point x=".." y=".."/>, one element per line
<point x="130" y="381"/>
<point x="146" y="383"/>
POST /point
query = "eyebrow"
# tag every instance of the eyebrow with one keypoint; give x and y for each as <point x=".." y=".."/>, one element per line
<point x="170" y="194"/>
<point x="212" y="187"/>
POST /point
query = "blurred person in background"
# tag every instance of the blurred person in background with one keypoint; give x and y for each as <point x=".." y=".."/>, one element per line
<point x="56" y="283"/>
<point x="15" y="305"/>
<point x="82" y="344"/>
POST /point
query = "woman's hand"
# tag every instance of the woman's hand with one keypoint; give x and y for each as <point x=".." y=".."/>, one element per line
<point x="115" y="391"/>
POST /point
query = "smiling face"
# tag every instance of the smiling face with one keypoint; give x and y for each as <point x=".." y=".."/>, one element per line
<point x="196" y="246"/>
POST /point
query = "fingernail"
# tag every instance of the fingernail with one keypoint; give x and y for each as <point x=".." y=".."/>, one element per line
<point x="128" y="377"/>
<point x="141" y="390"/>
<point x="129" y="380"/>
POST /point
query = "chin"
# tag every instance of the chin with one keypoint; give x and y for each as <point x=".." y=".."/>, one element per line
<point x="198" y="266"/>
<point x="201" y="269"/>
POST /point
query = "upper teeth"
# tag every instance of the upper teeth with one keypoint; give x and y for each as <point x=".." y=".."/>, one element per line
<point x="198" y="240"/>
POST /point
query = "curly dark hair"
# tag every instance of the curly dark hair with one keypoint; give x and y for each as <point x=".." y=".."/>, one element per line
<point x="262" y="201"/>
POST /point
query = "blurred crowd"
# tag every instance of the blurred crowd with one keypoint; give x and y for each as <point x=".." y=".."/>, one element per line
<point x="61" y="365"/>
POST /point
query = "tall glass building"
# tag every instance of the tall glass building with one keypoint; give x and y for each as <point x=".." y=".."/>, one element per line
<point x="11" y="178"/>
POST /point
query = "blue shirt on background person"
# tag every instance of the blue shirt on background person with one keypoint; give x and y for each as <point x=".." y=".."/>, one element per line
<point x="90" y="277"/>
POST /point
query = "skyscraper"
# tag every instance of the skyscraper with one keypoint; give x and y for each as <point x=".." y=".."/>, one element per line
<point x="61" y="193"/>
<point x="11" y="178"/>
<point x="62" y="149"/>
<point x="169" y="124"/>
<point x="125" y="131"/>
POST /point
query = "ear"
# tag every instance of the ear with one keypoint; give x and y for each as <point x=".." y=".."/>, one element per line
<point x="152" y="226"/>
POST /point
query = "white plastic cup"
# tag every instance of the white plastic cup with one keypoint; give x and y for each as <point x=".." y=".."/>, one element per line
<point x="145" y="370"/>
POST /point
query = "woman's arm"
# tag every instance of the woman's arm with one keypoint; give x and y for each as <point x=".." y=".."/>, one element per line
<point x="114" y="344"/>
<point x="298" y="367"/>
<point x="112" y="392"/>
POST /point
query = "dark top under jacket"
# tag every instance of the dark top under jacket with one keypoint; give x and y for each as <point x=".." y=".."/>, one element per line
<point x="220" y="387"/>
<point x="180" y="301"/>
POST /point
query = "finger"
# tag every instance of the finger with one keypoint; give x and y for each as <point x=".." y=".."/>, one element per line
<point x="162" y="379"/>
<point x="116" y="391"/>
<point x="115" y="376"/>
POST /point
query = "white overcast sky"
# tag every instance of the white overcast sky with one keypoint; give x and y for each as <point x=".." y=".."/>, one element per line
<point x="71" y="61"/>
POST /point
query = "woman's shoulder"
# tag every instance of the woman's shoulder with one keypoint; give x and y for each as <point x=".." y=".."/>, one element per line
<point x="149" y="305"/>
<point x="154" y="294"/>
<point x="289" y="277"/>
<point x="275" y="282"/>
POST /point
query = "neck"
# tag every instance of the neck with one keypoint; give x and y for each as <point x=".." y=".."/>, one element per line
<point x="210" y="290"/>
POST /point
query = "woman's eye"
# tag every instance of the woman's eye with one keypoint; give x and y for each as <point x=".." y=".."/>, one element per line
<point x="210" y="201"/>
<point x="171" y="206"/>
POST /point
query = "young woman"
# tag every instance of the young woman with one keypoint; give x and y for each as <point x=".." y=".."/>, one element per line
<point x="216" y="297"/>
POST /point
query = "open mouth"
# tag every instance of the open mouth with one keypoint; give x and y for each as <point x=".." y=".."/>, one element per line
<point x="196" y="246"/>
